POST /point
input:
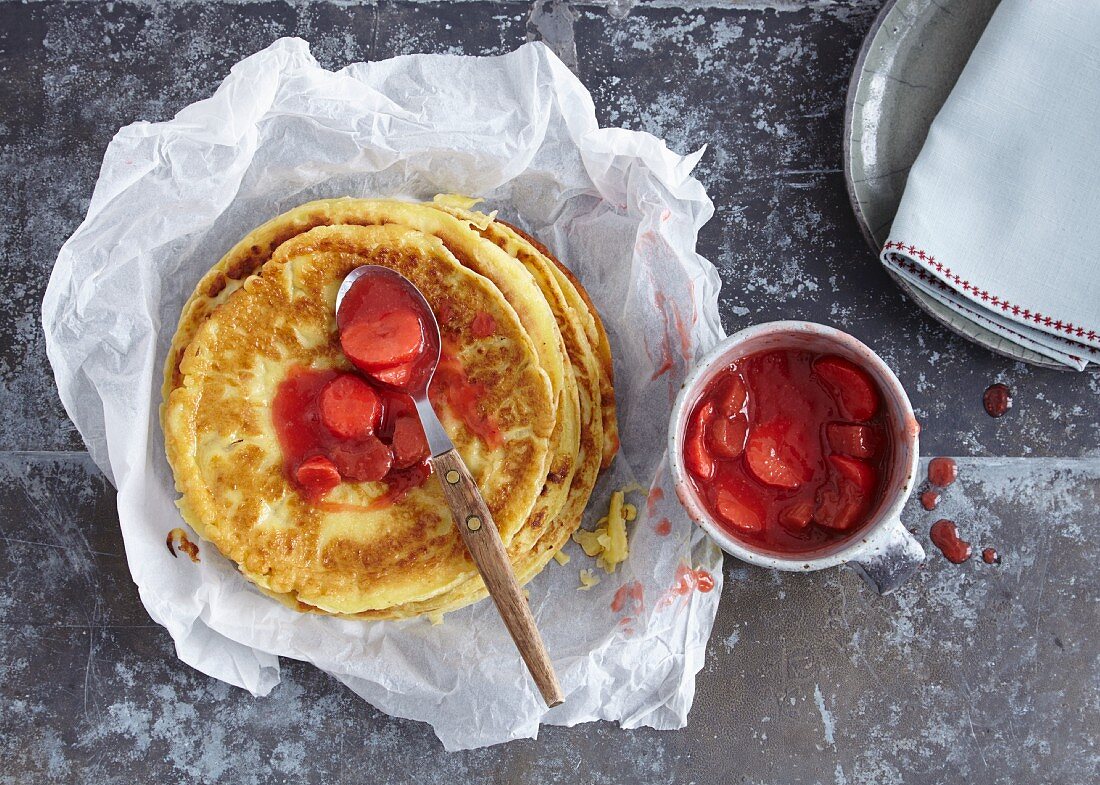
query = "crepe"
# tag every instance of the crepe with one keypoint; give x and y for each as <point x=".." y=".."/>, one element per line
<point x="465" y="263"/>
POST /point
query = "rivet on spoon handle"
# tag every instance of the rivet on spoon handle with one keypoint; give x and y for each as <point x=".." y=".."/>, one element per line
<point x="479" y="532"/>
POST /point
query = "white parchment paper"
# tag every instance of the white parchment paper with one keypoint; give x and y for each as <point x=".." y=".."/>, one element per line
<point x="617" y="206"/>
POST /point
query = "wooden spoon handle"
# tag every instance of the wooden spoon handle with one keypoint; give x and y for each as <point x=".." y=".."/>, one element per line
<point x="482" y="539"/>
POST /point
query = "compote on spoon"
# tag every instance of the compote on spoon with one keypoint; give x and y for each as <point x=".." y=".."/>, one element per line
<point x="389" y="332"/>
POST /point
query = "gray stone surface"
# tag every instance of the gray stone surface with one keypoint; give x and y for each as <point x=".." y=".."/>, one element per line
<point x="974" y="673"/>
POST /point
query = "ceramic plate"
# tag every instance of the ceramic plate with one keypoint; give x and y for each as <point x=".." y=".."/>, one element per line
<point x="907" y="66"/>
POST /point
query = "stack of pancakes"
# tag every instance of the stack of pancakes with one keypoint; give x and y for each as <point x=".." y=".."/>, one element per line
<point x="268" y="307"/>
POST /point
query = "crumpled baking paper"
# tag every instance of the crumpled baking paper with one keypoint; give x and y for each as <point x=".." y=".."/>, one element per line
<point x="520" y="129"/>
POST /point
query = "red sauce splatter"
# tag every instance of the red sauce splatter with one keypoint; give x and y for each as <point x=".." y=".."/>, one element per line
<point x="929" y="499"/>
<point x="942" y="471"/>
<point x="997" y="400"/>
<point x="945" y="536"/>
<point x="663" y="527"/>
<point x="666" y="360"/>
<point x="464" y="397"/>
<point x="483" y="325"/>
<point x="445" y="312"/>
<point x="789" y="449"/>
<point x="654" y="498"/>
<point x="302" y="435"/>
<point x="628" y="596"/>
<point x="686" y="581"/>
<point x="683" y="332"/>
<point x="990" y="556"/>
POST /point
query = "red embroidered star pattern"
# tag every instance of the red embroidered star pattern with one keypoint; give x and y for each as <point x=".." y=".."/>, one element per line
<point x="1069" y="328"/>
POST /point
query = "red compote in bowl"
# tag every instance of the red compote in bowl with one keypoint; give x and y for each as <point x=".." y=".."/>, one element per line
<point x="795" y="447"/>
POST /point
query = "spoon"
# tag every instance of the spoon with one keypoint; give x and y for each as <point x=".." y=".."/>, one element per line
<point x="471" y="515"/>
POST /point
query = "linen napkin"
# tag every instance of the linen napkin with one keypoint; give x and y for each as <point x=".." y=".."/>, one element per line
<point x="1000" y="219"/>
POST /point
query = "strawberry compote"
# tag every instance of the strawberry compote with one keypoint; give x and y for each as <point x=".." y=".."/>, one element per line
<point x="334" y="426"/>
<point x="788" y="449"/>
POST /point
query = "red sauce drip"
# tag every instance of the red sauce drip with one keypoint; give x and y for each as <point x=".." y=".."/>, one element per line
<point x="929" y="499"/>
<point x="302" y="435"/>
<point x="942" y="471"/>
<point x="997" y="400"/>
<point x="629" y="596"/>
<point x="675" y="322"/>
<point x="445" y="312"/>
<point x="683" y="332"/>
<point x="990" y="556"/>
<point x="686" y="581"/>
<point x="464" y="397"/>
<point x="663" y="527"/>
<point x="483" y="325"/>
<point x="654" y="498"/>
<point x="177" y="539"/>
<point x="666" y="361"/>
<point x="789" y="450"/>
<point x="945" y="536"/>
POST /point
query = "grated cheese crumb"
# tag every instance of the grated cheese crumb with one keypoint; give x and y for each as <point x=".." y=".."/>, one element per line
<point x="608" y="542"/>
<point x="561" y="557"/>
<point x="458" y="201"/>
<point x="588" y="580"/>
<point x="589" y="541"/>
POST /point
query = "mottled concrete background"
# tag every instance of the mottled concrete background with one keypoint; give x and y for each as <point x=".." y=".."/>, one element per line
<point x="983" y="674"/>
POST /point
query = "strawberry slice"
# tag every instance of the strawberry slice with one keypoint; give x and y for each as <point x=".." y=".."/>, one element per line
<point x="409" y="445"/>
<point x="317" y="476"/>
<point x="350" y="407"/>
<point x="861" y="475"/>
<point x="733" y="395"/>
<point x="368" y="460"/>
<point x="383" y="341"/>
<point x="397" y="376"/>
<point x="857" y="441"/>
<point x="772" y="458"/>
<point x="739" y="506"/>
<point x="797" y="516"/>
<point x="843" y="502"/>
<point x="726" y="436"/>
<point x="852" y="387"/>
<point x="699" y="461"/>
<point x="836" y="509"/>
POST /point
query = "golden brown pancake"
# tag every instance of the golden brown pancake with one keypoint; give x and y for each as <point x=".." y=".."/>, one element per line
<point x="550" y="309"/>
<point x="470" y="249"/>
<point x="343" y="556"/>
